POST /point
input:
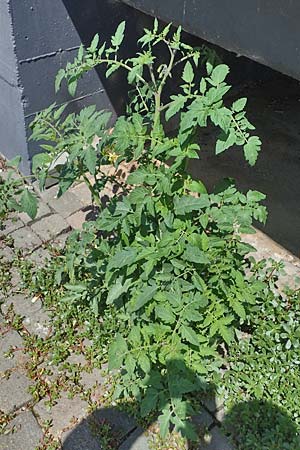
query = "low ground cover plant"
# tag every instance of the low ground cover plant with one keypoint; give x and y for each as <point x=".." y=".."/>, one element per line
<point x="164" y="260"/>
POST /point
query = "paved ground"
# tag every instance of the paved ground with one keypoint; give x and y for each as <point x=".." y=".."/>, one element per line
<point x="27" y="424"/>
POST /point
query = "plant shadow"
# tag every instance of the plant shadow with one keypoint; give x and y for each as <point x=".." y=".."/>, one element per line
<point x="248" y="425"/>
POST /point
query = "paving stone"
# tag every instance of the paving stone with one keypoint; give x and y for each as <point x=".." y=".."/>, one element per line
<point x="80" y="438"/>
<point x="12" y="224"/>
<point x="136" y="441"/>
<point x="121" y="423"/>
<point x="25" y="239"/>
<point x="49" y="227"/>
<point x="43" y="210"/>
<point x="203" y="420"/>
<point x="63" y="413"/>
<point x="60" y="241"/>
<point x="26" y="433"/>
<point x="82" y="192"/>
<point x="215" y="406"/>
<point x="8" y="340"/>
<point x="35" y="318"/>
<point x="14" y="392"/>
<point x="6" y="254"/>
<point x="39" y="256"/>
<point x="215" y="440"/>
<point x="77" y="219"/>
<point x="65" y="205"/>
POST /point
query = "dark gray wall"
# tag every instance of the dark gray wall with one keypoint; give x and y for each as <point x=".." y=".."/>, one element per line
<point x="37" y="37"/>
<point x="266" y="31"/>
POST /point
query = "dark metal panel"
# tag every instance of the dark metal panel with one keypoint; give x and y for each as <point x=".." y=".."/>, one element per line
<point x="266" y="31"/>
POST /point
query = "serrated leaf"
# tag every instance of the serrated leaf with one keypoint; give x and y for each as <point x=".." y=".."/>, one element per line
<point x="219" y="73"/>
<point x="118" y="37"/>
<point x="58" y="79"/>
<point x="239" y="104"/>
<point x="255" y="196"/>
<point x="251" y="149"/>
<point x="123" y="258"/>
<point x="189" y="334"/>
<point x="149" y="402"/>
<point x="186" y="204"/>
<point x="164" y="422"/>
<point x="117" y="352"/>
<point x="164" y="312"/>
<point x="238" y="308"/>
<point x="94" y="43"/>
<point x="194" y="254"/>
<point x="90" y="159"/>
<point x="188" y="73"/>
<point x="144" y="297"/>
<point x="29" y="203"/>
<point x="175" y="106"/>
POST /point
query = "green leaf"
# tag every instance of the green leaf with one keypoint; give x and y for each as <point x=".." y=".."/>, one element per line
<point x="219" y="73"/>
<point x="255" y="196"/>
<point x="251" y="149"/>
<point x="29" y="203"/>
<point x="15" y="162"/>
<point x="186" y="204"/>
<point x="164" y="422"/>
<point x="176" y="105"/>
<point x="188" y="73"/>
<point x="149" y="402"/>
<point x="117" y="353"/>
<point x="239" y="105"/>
<point x="118" y="37"/>
<point x="144" y="297"/>
<point x="123" y="258"/>
<point x="165" y="313"/>
<point x="189" y="334"/>
<point x="226" y="142"/>
<point x="117" y="290"/>
<point x="238" y="308"/>
<point x="90" y="159"/>
<point x="194" y="254"/>
<point x="59" y="77"/>
<point x="94" y="43"/>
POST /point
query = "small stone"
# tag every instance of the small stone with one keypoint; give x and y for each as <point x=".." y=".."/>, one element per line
<point x="14" y="392"/>
<point x="49" y="227"/>
<point x="11" y="340"/>
<point x="65" y="205"/>
<point x="136" y="441"/>
<point x="26" y="433"/>
<point x="25" y="239"/>
<point x="63" y="413"/>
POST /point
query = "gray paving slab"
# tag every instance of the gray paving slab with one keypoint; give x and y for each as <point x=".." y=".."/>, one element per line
<point x="65" y="205"/>
<point x="25" y="239"/>
<point x="43" y="210"/>
<point x="121" y="423"/>
<point x="14" y="392"/>
<point x="62" y="413"/>
<point x="35" y="318"/>
<point x="136" y="441"/>
<point x="11" y="340"/>
<point x="80" y="438"/>
<point x="215" y="440"/>
<point x="26" y="433"/>
<point x="49" y="227"/>
<point x="12" y="224"/>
